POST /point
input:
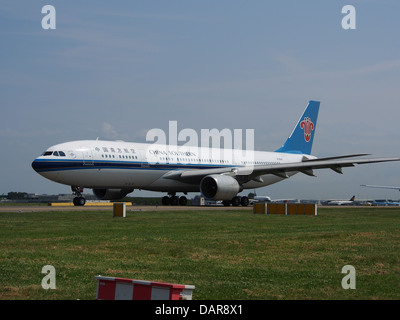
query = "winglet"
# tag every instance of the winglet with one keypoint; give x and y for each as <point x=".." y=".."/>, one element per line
<point x="301" y="139"/>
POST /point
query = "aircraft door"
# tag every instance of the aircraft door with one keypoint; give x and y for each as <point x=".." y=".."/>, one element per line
<point x="87" y="157"/>
<point x="144" y="163"/>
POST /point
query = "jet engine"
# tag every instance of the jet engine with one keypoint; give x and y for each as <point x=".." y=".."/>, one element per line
<point x="219" y="187"/>
<point x="111" y="194"/>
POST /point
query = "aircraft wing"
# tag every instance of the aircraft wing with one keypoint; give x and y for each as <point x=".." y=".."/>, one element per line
<point x="383" y="187"/>
<point x="246" y="173"/>
<point x="308" y="166"/>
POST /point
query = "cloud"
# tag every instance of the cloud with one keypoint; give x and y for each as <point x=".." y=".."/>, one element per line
<point x="381" y="66"/>
<point x="291" y="64"/>
<point x="8" y="134"/>
<point x="109" y="131"/>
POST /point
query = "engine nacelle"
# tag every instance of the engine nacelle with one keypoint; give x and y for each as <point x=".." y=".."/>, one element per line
<point x="219" y="187"/>
<point x="111" y="194"/>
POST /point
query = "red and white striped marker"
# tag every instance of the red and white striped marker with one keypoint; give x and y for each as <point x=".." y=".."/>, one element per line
<point x="109" y="288"/>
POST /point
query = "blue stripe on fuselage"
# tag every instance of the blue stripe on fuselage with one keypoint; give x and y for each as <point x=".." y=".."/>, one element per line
<point x="46" y="165"/>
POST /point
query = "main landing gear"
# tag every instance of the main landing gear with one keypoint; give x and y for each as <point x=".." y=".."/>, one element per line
<point x="79" y="200"/>
<point x="237" y="201"/>
<point x="174" y="200"/>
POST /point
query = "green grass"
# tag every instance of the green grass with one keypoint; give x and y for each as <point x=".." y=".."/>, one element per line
<point x="225" y="254"/>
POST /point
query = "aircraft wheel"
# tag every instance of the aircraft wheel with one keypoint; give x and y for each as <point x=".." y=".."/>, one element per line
<point x="226" y="203"/>
<point x="165" y="201"/>
<point x="79" y="201"/>
<point x="244" y="201"/>
<point x="174" y="200"/>
<point x="182" y="201"/>
<point x="235" y="201"/>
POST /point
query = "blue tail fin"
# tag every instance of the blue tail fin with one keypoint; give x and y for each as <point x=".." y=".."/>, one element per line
<point x="301" y="139"/>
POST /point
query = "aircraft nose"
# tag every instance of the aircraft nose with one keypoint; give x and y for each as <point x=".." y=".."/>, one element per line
<point x="35" y="165"/>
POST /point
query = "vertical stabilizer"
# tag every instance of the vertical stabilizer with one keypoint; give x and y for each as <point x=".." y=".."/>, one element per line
<point x="301" y="139"/>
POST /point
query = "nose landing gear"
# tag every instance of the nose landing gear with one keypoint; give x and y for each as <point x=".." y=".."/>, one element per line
<point x="79" y="200"/>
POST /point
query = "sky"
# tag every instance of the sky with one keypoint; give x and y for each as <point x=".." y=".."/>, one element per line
<point x="114" y="70"/>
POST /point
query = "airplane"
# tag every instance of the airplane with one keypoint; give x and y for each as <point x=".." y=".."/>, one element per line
<point x="341" y="202"/>
<point x="114" y="169"/>
<point x="385" y="202"/>
<point x="269" y="200"/>
<point x="262" y="199"/>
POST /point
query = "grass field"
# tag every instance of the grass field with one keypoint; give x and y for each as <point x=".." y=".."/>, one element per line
<point x="225" y="254"/>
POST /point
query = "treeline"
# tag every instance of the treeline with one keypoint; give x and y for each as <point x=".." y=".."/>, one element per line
<point x="17" y="195"/>
<point x="144" y="201"/>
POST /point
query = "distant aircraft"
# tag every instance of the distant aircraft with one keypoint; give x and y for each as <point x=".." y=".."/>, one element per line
<point x="341" y="202"/>
<point x="269" y="200"/>
<point x="385" y="202"/>
<point x="261" y="199"/>
<point x="114" y="169"/>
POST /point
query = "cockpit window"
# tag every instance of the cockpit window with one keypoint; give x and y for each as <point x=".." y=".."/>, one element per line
<point x="54" y="153"/>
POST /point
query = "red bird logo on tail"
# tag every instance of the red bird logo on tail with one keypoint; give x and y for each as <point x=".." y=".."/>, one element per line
<point x="308" y="126"/>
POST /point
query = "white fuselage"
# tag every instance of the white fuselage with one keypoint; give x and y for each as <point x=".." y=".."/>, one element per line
<point x="124" y="165"/>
